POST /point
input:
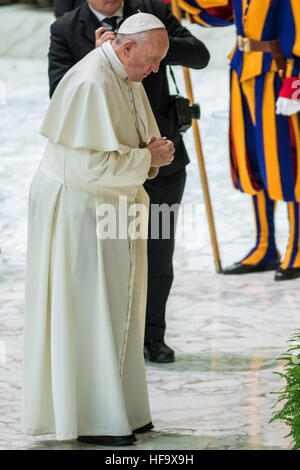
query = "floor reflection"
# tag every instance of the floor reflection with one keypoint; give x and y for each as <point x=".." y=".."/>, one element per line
<point x="217" y="362"/>
<point x="167" y="441"/>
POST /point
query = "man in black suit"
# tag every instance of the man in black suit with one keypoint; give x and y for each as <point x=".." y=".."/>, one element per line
<point x="72" y="37"/>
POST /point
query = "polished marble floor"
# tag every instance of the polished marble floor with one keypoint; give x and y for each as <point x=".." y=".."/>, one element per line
<point x="227" y="331"/>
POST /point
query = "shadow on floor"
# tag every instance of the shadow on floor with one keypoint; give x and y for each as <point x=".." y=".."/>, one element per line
<point x="216" y="362"/>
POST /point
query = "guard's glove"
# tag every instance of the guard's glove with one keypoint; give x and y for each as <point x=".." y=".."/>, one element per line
<point x="288" y="102"/>
<point x="287" y="107"/>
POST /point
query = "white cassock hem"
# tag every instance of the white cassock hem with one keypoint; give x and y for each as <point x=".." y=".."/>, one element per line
<point x="85" y="432"/>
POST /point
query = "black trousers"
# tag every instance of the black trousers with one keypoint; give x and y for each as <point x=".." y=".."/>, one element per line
<point x="161" y="190"/>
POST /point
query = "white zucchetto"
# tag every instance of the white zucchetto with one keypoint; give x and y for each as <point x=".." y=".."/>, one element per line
<point x="140" y="22"/>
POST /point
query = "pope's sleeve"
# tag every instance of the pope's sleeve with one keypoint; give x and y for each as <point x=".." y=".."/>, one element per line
<point x="124" y="167"/>
<point x="78" y="117"/>
<point x="288" y="24"/>
<point x="208" y="12"/>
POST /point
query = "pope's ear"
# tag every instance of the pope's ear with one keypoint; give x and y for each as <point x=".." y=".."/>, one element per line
<point x="128" y="46"/>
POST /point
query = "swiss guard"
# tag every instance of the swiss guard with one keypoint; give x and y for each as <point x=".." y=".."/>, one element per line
<point x="264" y="124"/>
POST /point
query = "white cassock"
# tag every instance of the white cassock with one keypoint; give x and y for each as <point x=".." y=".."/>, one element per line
<point x="84" y="371"/>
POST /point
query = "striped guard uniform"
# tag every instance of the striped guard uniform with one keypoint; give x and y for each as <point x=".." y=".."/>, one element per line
<point x="264" y="147"/>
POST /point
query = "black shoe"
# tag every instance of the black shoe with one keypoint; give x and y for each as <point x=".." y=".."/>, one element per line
<point x="108" y="440"/>
<point x="240" y="268"/>
<point x="158" y="351"/>
<point x="145" y="428"/>
<point x="287" y="274"/>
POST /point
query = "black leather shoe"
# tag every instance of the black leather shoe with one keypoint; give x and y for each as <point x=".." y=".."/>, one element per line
<point x="108" y="440"/>
<point x="287" y="274"/>
<point x="145" y="428"/>
<point x="240" y="268"/>
<point x="158" y="351"/>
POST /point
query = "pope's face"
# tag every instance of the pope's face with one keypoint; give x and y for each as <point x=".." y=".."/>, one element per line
<point x="142" y="59"/>
<point x="106" y="7"/>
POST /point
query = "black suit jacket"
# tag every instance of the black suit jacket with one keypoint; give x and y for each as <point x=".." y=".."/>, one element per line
<point x="60" y="7"/>
<point x="73" y="37"/>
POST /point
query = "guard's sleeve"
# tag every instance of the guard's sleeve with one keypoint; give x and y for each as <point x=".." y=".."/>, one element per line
<point x="185" y="49"/>
<point x="288" y="24"/>
<point x="208" y="12"/>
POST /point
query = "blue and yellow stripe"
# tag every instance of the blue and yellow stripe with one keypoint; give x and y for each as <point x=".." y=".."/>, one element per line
<point x="292" y="256"/>
<point x="264" y="251"/>
<point x="264" y="147"/>
<point x="196" y="12"/>
<point x="257" y="19"/>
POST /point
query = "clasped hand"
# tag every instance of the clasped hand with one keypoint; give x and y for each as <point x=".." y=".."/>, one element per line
<point x="162" y="151"/>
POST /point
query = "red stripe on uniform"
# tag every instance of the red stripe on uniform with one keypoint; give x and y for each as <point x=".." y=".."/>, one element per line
<point x="293" y="148"/>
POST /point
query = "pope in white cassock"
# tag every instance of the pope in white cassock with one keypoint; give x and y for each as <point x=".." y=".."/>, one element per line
<point x="84" y="372"/>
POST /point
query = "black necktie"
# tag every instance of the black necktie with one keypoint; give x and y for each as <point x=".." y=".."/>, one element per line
<point x="111" y="21"/>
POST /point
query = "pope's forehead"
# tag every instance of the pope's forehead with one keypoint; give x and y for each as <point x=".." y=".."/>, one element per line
<point x="153" y="35"/>
<point x="157" y="36"/>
